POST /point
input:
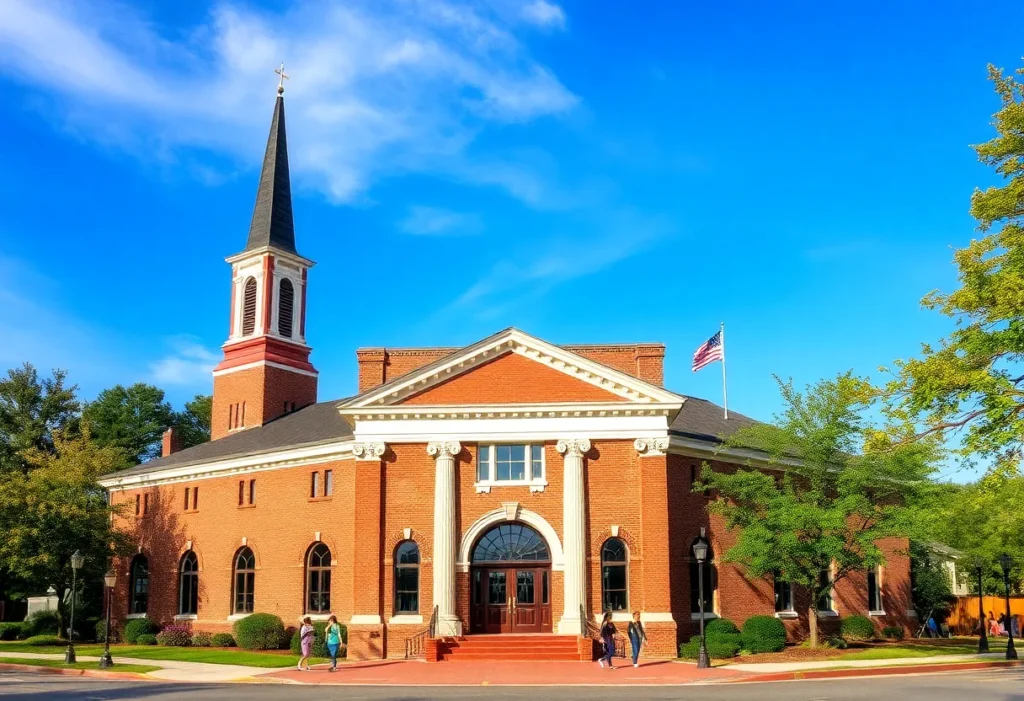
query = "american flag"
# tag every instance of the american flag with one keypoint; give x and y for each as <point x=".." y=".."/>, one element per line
<point x="709" y="351"/>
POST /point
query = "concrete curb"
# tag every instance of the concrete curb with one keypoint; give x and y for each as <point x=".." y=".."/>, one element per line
<point x="872" y="671"/>
<point x="132" y="676"/>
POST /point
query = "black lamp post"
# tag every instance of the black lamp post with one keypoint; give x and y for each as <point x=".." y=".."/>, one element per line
<point x="700" y="553"/>
<point x="1007" y="563"/>
<point x="77" y="560"/>
<point x="979" y="568"/>
<point x="109" y="580"/>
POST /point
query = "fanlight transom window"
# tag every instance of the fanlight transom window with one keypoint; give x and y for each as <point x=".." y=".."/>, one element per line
<point x="511" y="542"/>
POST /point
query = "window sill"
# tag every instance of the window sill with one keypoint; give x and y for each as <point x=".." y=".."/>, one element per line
<point x="247" y="506"/>
<point x="132" y="616"/>
<point x="406" y="619"/>
<point x="238" y="616"/>
<point x="190" y="511"/>
<point x="186" y="617"/>
<point x="317" y="616"/>
<point x="708" y="615"/>
<point x="828" y="614"/>
<point x="327" y="498"/>
<point x="877" y="613"/>
<point x="534" y="485"/>
<point x="787" y="614"/>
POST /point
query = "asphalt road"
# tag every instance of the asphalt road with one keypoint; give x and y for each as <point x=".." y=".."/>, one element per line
<point x="995" y="685"/>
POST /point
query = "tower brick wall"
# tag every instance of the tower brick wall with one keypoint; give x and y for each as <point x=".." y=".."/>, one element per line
<point x="257" y="395"/>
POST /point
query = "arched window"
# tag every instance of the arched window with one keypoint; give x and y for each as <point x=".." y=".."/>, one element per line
<point x="407" y="577"/>
<point x="511" y="542"/>
<point x="614" y="578"/>
<point x="710" y="581"/>
<point x="318" y="579"/>
<point x="285" y="306"/>
<point x="138" y="585"/>
<point x="245" y="580"/>
<point x="249" y="307"/>
<point x="188" y="585"/>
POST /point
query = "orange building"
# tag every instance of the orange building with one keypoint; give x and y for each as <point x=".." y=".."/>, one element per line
<point x="511" y="486"/>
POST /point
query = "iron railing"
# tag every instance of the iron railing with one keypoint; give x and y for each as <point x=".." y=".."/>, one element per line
<point x="416" y="646"/>
<point x="593" y="631"/>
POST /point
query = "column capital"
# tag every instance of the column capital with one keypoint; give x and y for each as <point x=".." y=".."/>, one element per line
<point x="444" y="449"/>
<point x="574" y="447"/>
<point x="368" y="451"/>
<point x="650" y="447"/>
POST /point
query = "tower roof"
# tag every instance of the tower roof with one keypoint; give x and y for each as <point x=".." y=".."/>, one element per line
<point x="272" y="223"/>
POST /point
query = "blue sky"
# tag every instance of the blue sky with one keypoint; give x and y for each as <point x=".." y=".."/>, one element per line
<point x="588" y="171"/>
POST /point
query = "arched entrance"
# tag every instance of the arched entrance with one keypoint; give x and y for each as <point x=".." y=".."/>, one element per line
<point x="510" y="581"/>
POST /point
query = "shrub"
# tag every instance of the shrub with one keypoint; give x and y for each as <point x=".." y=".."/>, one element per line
<point x="764" y="634"/>
<point x="222" y="640"/>
<point x="41" y="640"/>
<point x="139" y="626"/>
<point x="175" y="636"/>
<point x="201" y="639"/>
<point x="857" y="628"/>
<point x="41" y="623"/>
<point x="720" y="626"/>
<point x="146" y="639"/>
<point x="319" y="640"/>
<point x="260" y="631"/>
<point x="101" y="632"/>
<point x="722" y="647"/>
<point x="892" y="633"/>
<point x="11" y="631"/>
<point x="836" y="642"/>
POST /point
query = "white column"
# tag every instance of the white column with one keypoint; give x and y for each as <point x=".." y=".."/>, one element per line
<point x="444" y="453"/>
<point x="574" y="536"/>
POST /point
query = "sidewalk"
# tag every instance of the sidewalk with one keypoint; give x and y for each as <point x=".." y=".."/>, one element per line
<point x="774" y="667"/>
<point x="172" y="670"/>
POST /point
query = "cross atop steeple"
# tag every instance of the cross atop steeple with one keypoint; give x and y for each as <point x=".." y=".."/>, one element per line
<point x="284" y="77"/>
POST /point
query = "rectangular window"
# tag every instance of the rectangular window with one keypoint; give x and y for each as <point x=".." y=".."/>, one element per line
<point x="537" y="462"/>
<point x="314" y="485"/>
<point x="783" y="595"/>
<point x="252" y="492"/>
<point x="874" y="590"/>
<point x="510" y="463"/>
<point x="231" y="416"/>
<point x="145" y="504"/>
<point x="826" y="602"/>
<point x="241" y="492"/>
<point x="138" y="501"/>
<point x="195" y="498"/>
<point x="328" y="482"/>
<point x="242" y="420"/>
<point x="483" y="464"/>
<point x="188" y="500"/>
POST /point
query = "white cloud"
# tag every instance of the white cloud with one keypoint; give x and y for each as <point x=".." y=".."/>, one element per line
<point x="544" y="14"/>
<point x="378" y="87"/>
<point x="190" y="364"/>
<point x="433" y="221"/>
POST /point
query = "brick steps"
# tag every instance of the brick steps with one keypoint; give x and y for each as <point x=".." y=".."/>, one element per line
<point x="512" y="647"/>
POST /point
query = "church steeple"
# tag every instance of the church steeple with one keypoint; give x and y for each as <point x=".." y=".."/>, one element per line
<point x="272" y="223"/>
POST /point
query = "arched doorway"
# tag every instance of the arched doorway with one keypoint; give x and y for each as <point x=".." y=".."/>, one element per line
<point x="510" y="581"/>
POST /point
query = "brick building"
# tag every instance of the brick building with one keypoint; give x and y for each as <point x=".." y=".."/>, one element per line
<point x="510" y="486"/>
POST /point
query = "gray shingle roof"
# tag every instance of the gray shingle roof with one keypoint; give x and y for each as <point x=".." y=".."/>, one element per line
<point x="705" y="421"/>
<point x="272" y="223"/>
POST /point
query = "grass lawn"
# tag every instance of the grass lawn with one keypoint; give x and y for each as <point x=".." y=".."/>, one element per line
<point x="137" y="668"/>
<point x="926" y="647"/>
<point x="210" y="655"/>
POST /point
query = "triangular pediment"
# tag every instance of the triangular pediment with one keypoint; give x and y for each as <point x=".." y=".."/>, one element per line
<point x="448" y="380"/>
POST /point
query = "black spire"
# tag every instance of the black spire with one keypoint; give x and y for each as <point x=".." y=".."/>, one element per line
<point x="272" y="223"/>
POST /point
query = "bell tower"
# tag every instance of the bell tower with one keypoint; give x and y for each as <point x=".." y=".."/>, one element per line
<point x="266" y="371"/>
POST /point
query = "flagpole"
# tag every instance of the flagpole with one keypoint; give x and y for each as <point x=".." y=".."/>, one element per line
<point x="725" y="391"/>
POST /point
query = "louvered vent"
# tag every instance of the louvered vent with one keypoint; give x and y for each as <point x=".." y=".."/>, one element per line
<point x="286" y="304"/>
<point x="249" y="307"/>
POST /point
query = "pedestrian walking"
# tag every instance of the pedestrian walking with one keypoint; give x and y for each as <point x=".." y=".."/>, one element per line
<point x="333" y="635"/>
<point x="637" y="637"/>
<point x="608" y="640"/>
<point x="306" y="635"/>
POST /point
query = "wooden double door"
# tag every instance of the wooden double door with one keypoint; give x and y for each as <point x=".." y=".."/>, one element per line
<point x="511" y="599"/>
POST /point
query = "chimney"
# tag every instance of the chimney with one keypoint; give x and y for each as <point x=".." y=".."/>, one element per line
<point x="171" y="443"/>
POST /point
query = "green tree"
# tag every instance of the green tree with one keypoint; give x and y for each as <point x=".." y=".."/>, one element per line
<point x="130" y="418"/>
<point x="827" y="486"/>
<point x="56" y="508"/>
<point x="971" y="385"/>
<point x="932" y="593"/>
<point x="31" y="410"/>
<point x="193" y="424"/>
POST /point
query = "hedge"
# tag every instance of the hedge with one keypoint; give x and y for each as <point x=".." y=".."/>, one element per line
<point x="175" y="636"/>
<point x="101" y="632"/>
<point x="260" y="631"/>
<point x="201" y="639"/>
<point x="893" y="633"/>
<point x="222" y="640"/>
<point x="763" y="634"/>
<point x="41" y="623"/>
<point x="721" y="647"/>
<point x="857" y="628"/>
<point x="11" y="631"/>
<point x="139" y="626"/>
<point x="146" y="639"/>
<point x="43" y="640"/>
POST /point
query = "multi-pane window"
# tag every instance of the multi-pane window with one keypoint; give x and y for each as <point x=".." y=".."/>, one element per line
<point x="783" y="594"/>
<point x="245" y="580"/>
<point x="188" y="585"/>
<point x="826" y="602"/>
<point x="874" y="589"/>
<point x="510" y="463"/>
<point x="138" y="585"/>
<point x="318" y="579"/>
<point x="407" y="578"/>
<point x="614" y="577"/>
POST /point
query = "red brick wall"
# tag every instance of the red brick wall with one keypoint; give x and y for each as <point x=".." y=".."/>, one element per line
<point x="264" y="389"/>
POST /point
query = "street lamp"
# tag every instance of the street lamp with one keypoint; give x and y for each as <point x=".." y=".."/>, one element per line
<point x="1007" y="563"/>
<point x="77" y="560"/>
<point x="700" y="554"/>
<point x="979" y="569"/>
<point x="109" y="580"/>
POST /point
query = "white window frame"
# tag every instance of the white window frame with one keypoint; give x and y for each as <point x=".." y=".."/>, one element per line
<point x="789" y="611"/>
<point x="831" y="594"/>
<point x="535" y="484"/>
<point x="881" y="596"/>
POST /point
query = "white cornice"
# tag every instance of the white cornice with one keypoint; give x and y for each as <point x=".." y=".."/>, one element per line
<point x="268" y="363"/>
<point x="710" y="450"/>
<point x="508" y="411"/>
<point x="272" y="250"/>
<point x="613" y="381"/>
